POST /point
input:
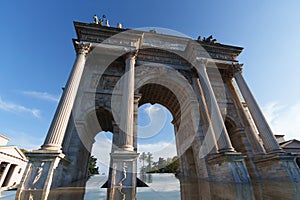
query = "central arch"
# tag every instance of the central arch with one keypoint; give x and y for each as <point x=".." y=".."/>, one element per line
<point x="166" y="86"/>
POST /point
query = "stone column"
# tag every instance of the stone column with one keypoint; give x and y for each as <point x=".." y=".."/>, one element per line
<point x="4" y="174"/>
<point x="270" y="143"/>
<point x="252" y="136"/>
<point x="126" y="121"/>
<point x="115" y="140"/>
<point x="224" y="142"/>
<point x="208" y="138"/>
<point x="137" y="97"/>
<point x="59" y="123"/>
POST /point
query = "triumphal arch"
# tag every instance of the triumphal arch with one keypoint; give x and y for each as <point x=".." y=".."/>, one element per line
<point x="221" y="133"/>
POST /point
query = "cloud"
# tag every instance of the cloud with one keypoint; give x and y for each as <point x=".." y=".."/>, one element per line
<point x="42" y="95"/>
<point x="101" y="150"/>
<point x="284" y="119"/>
<point x="158" y="119"/>
<point x="24" y="140"/>
<point x="15" y="108"/>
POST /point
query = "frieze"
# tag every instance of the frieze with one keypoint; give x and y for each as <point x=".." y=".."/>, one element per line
<point x="163" y="44"/>
<point x="161" y="56"/>
<point x="108" y="82"/>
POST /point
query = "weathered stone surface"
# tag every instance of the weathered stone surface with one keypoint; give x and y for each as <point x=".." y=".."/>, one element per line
<point x="215" y="136"/>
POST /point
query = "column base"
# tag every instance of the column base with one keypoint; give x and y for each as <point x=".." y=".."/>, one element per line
<point x="128" y="148"/>
<point x="228" y="167"/>
<point x="41" y="174"/>
<point x="50" y="147"/>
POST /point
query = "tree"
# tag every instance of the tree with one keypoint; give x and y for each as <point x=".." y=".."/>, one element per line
<point x="143" y="158"/>
<point x="173" y="166"/>
<point x="149" y="161"/>
<point x="93" y="169"/>
<point x="161" y="164"/>
<point x="23" y="150"/>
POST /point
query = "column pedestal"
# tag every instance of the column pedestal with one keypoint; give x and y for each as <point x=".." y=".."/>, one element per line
<point x="124" y="169"/>
<point x="278" y="166"/>
<point x="43" y="172"/>
<point x="228" y="167"/>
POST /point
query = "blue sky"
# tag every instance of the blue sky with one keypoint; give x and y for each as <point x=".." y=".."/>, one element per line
<point x="37" y="52"/>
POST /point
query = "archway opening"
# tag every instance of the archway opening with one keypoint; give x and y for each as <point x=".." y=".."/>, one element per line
<point x="101" y="151"/>
<point x="177" y="104"/>
<point x="156" y="140"/>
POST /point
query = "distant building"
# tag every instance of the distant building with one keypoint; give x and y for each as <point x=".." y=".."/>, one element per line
<point x="12" y="164"/>
<point x="290" y="146"/>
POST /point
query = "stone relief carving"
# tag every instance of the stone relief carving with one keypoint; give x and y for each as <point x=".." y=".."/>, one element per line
<point x="239" y="172"/>
<point x="124" y="171"/>
<point x="38" y="173"/>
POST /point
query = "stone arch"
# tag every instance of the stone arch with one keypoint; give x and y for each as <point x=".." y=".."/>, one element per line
<point x="80" y="139"/>
<point x="175" y="82"/>
<point x="169" y="88"/>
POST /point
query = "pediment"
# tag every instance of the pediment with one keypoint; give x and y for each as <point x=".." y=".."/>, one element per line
<point x="12" y="151"/>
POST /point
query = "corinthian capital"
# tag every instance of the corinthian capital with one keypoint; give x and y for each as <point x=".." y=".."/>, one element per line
<point x="237" y="67"/>
<point x="83" y="47"/>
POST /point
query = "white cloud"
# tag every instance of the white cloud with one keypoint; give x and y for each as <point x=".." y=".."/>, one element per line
<point x="101" y="150"/>
<point x="158" y="118"/>
<point x="284" y="119"/>
<point x="42" y="95"/>
<point x="24" y="140"/>
<point x="15" y="108"/>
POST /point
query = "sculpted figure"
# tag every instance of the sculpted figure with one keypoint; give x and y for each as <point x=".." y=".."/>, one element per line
<point x="96" y="20"/>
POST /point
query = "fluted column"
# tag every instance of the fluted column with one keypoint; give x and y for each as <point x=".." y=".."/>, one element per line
<point x="127" y="114"/>
<point x="59" y="123"/>
<point x="224" y="142"/>
<point x="270" y="143"/>
<point x="205" y="122"/>
<point x="137" y="97"/>
<point x="115" y="140"/>
<point x="252" y="136"/>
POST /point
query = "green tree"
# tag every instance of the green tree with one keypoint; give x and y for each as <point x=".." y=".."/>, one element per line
<point x="173" y="166"/>
<point x="23" y="150"/>
<point x="93" y="169"/>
